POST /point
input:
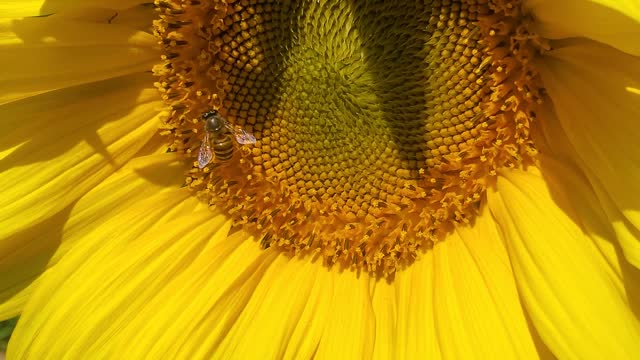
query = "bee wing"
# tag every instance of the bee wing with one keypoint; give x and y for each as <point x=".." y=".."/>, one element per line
<point x="204" y="154"/>
<point x="243" y="137"/>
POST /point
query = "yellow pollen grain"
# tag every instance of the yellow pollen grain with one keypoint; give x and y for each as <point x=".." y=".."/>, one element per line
<point x="378" y="127"/>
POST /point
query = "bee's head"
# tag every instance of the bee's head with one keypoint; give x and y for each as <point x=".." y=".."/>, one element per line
<point x="213" y="122"/>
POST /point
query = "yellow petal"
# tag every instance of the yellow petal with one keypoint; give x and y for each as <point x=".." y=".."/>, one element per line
<point x="350" y="325"/>
<point x="242" y="302"/>
<point x="556" y="143"/>
<point x="417" y="335"/>
<point x="311" y="324"/>
<point x="191" y="315"/>
<point x="56" y="148"/>
<point x="99" y="286"/>
<point x="477" y="309"/>
<point x="143" y="182"/>
<point x="181" y="291"/>
<point x="385" y="308"/>
<point x="570" y="290"/>
<point x="13" y="299"/>
<point x="139" y="16"/>
<point x="23" y="8"/>
<point x="23" y="257"/>
<point x="613" y="22"/>
<point x="39" y="247"/>
<point x="616" y="239"/>
<point x="124" y="241"/>
<point x="627" y="233"/>
<point x="20" y="8"/>
<point x="42" y="54"/>
<point x="458" y="301"/>
<point x="590" y="85"/>
<point x="594" y="215"/>
<point x="175" y="292"/>
<point x="285" y="316"/>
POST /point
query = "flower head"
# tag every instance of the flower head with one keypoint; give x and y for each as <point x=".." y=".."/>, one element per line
<point x="321" y="179"/>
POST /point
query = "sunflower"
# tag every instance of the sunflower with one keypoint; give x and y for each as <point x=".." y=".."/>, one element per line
<point x="320" y="179"/>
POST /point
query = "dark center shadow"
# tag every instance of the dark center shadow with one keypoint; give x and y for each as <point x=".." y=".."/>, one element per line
<point x="394" y="54"/>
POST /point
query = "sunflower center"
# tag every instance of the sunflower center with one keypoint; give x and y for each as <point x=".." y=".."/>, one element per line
<point x="378" y="125"/>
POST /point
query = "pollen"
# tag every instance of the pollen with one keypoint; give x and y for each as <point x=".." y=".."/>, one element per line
<point x="377" y="125"/>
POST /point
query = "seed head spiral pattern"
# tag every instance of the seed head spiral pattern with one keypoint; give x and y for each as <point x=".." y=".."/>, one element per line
<point x="379" y="125"/>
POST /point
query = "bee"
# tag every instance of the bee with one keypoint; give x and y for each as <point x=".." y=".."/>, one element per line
<point x="217" y="138"/>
